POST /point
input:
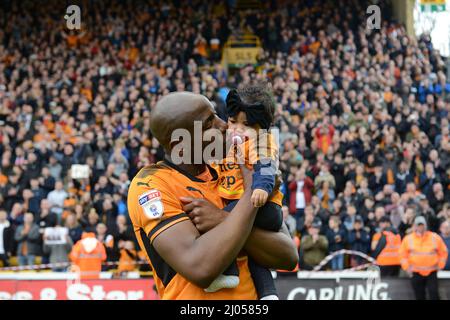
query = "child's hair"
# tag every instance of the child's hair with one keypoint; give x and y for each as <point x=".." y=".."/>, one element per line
<point x="259" y="92"/>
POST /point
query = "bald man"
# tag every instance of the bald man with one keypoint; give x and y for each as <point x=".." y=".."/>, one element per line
<point x="177" y="217"/>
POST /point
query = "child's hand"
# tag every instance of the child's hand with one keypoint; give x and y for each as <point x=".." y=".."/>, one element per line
<point x="259" y="197"/>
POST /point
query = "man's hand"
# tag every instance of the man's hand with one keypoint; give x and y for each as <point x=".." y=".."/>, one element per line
<point x="203" y="214"/>
<point x="315" y="237"/>
<point x="259" y="198"/>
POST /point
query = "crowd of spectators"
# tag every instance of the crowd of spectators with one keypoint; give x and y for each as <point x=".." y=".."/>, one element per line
<point x="363" y="116"/>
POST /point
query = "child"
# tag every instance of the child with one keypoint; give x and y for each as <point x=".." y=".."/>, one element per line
<point x="251" y="108"/>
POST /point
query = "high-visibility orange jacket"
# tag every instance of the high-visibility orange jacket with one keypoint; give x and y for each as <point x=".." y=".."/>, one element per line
<point x="423" y="254"/>
<point x="88" y="254"/>
<point x="127" y="260"/>
<point x="389" y="255"/>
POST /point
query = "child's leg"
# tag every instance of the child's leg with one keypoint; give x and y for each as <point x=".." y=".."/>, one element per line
<point x="263" y="280"/>
<point x="228" y="279"/>
<point x="269" y="217"/>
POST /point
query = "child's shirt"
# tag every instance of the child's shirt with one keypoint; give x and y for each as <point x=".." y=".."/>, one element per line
<point x="231" y="182"/>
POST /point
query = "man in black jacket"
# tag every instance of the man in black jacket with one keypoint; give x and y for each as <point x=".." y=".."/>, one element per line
<point x="426" y="211"/>
<point x="359" y="240"/>
<point x="33" y="167"/>
<point x="12" y="191"/>
<point x="403" y="177"/>
<point x="46" y="181"/>
<point x="6" y="238"/>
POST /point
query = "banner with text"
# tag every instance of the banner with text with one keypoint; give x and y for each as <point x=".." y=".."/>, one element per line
<point x="290" y="288"/>
<point x="113" y="289"/>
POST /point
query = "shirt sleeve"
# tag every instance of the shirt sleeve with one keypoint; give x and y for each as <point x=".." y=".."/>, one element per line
<point x="376" y="237"/>
<point x="264" y="176"/>
<point x="442" y="252"/>
<point x="155" y="207"/>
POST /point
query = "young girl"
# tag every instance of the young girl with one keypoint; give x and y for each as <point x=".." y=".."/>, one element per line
<point x="250" y="109"/>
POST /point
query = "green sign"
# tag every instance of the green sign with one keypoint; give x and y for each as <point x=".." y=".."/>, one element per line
<point x="432" y="7"/>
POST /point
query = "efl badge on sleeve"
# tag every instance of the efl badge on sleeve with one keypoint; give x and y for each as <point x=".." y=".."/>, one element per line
<point x="151" y="204"/>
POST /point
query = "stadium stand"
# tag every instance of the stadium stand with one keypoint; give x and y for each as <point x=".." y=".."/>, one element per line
<point x="363" y="115"/>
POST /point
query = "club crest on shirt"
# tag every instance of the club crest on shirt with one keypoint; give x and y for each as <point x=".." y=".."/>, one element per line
<point x="151" y="204"/>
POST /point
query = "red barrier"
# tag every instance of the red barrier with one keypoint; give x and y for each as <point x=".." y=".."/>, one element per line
<point x="114" y="289"/>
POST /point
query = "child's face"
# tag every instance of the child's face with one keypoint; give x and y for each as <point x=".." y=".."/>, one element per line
<point x="239" y="123"/>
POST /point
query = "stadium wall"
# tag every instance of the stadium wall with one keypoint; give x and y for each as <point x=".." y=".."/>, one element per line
<point x="357" y="285"/>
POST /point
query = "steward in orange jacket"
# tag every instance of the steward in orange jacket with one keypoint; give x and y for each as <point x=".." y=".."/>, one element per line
<point x="422" y="254"/>
<point x="128" y="257"/>
<point x="88" y="254"/>
<point x="385" y="248"/>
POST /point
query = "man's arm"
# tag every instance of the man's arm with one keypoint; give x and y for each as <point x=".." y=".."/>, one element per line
<point x="441" y="251"/>
<point x="307" y="243"/>
<point x="201" y="258"/>
<point x="34" y="234"/>
<point x="323" y="242"/>
<point x="272" y="249"/>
